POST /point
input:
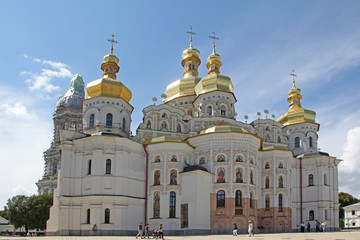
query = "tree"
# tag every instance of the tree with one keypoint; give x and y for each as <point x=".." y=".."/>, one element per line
<point x="38" y="210"/>
<point x="18" y="211"/>
<point x="5" y="213"/>
<point x="345" y="199"/>
<point x="29" y="212"/>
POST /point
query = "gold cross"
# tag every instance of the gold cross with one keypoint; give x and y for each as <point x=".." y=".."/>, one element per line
<point x="112" y="43"/>
<point x="191" y="33"/>
<point x="293" y="75"/>
<point x="213" y="38"/>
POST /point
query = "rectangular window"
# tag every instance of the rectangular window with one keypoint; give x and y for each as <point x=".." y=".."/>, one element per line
<point x="353" y="212"/>
<point x="172" y="207"/>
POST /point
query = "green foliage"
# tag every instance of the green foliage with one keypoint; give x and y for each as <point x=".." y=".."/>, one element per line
<point x="345" y="199"/>
<point x="29" y="212"/>
<point x="341" y="223"/>
<point x="38" y="210"/>
<point x="18" y="211"/>
<point x="5" y="213"/>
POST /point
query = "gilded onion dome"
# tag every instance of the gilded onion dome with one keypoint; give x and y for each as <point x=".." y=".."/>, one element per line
<point x="108" y="86"/>
<point x="214" y="81"/>
<point x="223" y="129"/>
<point x="185" y="86"/>
<point x="296" y="114"/>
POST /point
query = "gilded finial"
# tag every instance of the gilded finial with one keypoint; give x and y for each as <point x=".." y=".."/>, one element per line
<point x="213" y="38"/>
<point x="191" y="33"/>
<point x="112" y="43"/>
<point x="293" y="75"/>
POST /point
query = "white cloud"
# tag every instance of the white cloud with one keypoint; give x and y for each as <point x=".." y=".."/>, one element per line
<point x="43" y="81"/>
<point x="19" y="190"/>
<point x="16" y="109"/>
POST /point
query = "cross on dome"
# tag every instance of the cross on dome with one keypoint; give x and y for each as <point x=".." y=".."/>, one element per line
<point x="293" y="75"/>
<point x="112" y="43"/>
<point x="213" y="38"/>
<point x="191" y="33"/>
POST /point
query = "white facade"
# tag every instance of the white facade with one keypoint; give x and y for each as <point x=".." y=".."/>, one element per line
<point x="352" y="216"/>
<point x="191" y="165"/>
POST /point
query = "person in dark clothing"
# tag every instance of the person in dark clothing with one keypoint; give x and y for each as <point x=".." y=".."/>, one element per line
<point x="308" y="227"/>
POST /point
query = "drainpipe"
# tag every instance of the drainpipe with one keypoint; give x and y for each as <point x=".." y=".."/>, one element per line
<point x="301" y="210"/>
<point x="146" y="181"/>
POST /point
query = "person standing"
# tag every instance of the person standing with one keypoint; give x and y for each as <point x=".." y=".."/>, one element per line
<point x="235" y="230"/>
<point x="308" y="227"/>
<point x="302" y="227"/>
<point x="317" y="226"/>
<point x="251" y="228"/>
<point x="161" y="231"/>
<point x="140" y="227"/>
<point x="323" y="225"/>
<point x="94" y="229"/>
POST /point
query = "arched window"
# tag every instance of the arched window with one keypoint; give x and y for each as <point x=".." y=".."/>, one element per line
<point x="156" y="210"/>
<point x="279" y="139"/>
<point x="311" y="215"/>
<point x="268" y="138"/>
<point x="108" y="166"/>
<point x="267" y="129"/>
<point x="310" y="142"/>
<point x="178" y="128"/>
<point x="148" y="124"/>
<point x="220" y="175"/>
<point x="267" y="203"/>
<point x="281" y="165"/>
<point x="221" y="158"/>
<point x="220" y="199"/>
<point x="311" y="180"/>
<point x="209" y="110"/>
<point x="107" y="215"/>
<point x="173" y="176"/>
<point x="123" y="124"/>
<point x="173" y="158"/>
<point x="89" y="167"/>
<point x="172" y="205"/>
<point x="267" y="165"/>
<point x="297" y="142"/>
<point x="157" y="159"/>
<point x="157" y="178"/>
<point x="280" y="203"/>
<point x="251" y="178"/>
<point x="251" y="200"/>
<point x="223" y="110"/>
<point x="238" y="198"/>
<point x="88" y="216"/>
<point x="239" y="175"/>
<point x="281" y="182"/>
<point x="109" y="120"/>
<point x="92" y="121"/>
<point x="164" y="115"/>
<point x="267" y="182"/>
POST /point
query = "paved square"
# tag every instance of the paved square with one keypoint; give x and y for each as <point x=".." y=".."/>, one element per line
<point x="343" y="235"/>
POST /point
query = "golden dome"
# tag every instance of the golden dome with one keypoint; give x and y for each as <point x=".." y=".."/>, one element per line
<point x="296" y="113"/>
<point x="185" y="86"/>
<point x="214" y="81"/>
<point x="223" y="129"/>
<point x="108" y="86"/>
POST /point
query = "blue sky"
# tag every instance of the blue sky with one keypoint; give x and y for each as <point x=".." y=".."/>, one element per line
<point x="44" y="43"/>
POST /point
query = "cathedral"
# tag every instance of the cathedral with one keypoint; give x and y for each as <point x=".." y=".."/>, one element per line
<point x="191" y="166"/>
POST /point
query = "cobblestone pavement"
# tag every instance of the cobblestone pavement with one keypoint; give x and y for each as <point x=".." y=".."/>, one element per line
<point x="343" y="235"/>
